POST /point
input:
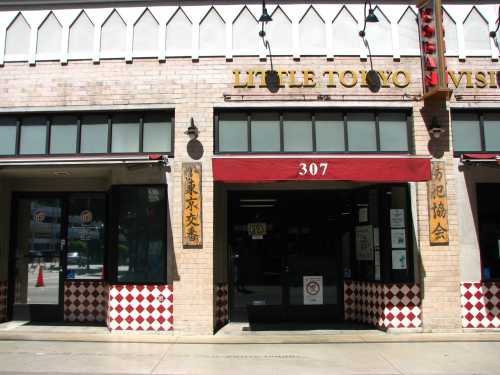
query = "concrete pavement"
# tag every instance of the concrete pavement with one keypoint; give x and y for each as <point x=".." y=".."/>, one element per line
<point x="35" y="357"/>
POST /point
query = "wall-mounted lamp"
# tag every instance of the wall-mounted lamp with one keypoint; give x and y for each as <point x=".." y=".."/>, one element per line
<point x="192" y="131"/>
<point x="372" y="77"/>
<point x="435" y="130"/>
<point x="272" y="77"/>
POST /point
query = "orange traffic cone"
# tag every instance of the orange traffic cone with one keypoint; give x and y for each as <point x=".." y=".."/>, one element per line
<point x="39" y="280"/>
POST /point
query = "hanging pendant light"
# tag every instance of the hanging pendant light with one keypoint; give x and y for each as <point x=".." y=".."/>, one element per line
<point x="265" y="17"/>
<point x="371" y="15"/>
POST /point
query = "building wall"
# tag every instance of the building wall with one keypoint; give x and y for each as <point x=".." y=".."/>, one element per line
<point x="193" y="89"/>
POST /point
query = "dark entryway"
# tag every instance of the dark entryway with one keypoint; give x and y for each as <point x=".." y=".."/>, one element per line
<point x="280" y="243"/>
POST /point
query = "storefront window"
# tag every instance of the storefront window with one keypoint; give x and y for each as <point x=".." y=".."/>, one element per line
<point x="313" y="131"/>
<point x="492" y="131"/>
<point x="265" y="132"/>
<point x="86" y="236"/>
<point x="393" y="132"/>
<point x="297" y="132"/>
<point x="88" y="133"/>
<point x="126" y="129"/>
<point x="157" y="133"/>
<point x="140" y="217"/>
<point x="233" y="128"/>
<point x="361" y="132"/>
<point x="63" y="133"/>
<point x="94" y="134"/>
<point x="476" y="131"/>
<point x="33" y="136"/>
<point x="330" y="132"/>
<point x="8" y="132"/>
<point x="466" y="132"/>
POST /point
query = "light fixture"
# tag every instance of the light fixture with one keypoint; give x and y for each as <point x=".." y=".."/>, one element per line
<point x="494" y="33"/>
<point x="435" y="130"/>
<point x="370" y="18"/>
<point x="265" y="17"/>
<point x="371" y="15"/>
<point x="272" y="78"/>
<point x="192" y="131"/>
<point x="372" y="77"/>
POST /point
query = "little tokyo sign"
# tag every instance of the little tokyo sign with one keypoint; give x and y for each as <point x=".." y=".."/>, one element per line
<point x="350" y="78"/>
<point x="309" y="78"/>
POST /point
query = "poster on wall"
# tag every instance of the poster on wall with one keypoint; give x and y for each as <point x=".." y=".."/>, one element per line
<point x="364" y="242"/>
<point x="397" y="218"/>
<point x="399" y="260"/>
<point x="363" y="214"/>
<point x="313" y="290"/>
<point x="398" y="238"/>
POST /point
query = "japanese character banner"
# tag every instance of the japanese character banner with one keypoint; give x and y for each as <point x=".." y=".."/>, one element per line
<point x="438" y="205"/>
<point x="191" y="207"/>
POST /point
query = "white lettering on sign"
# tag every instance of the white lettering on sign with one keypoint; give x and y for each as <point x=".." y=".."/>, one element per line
<point x="312" y="169"/>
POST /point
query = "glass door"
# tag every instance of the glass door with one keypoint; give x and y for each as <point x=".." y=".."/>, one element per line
<point x="39" y="242"/>
<point x="314" y="224"/>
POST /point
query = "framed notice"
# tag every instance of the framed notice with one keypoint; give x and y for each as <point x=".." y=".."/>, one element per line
<point x="399" y="259"/>
<point x="313" y="290"/>
<point x="364" y="242"/>
<point x="398" y="238"/>
<point x="397" y="218"/>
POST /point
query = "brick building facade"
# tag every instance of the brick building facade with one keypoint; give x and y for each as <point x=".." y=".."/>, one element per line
<point x="196" y="289"/>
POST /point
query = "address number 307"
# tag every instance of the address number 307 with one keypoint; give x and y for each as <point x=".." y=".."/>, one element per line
<point x="313" y="169"/>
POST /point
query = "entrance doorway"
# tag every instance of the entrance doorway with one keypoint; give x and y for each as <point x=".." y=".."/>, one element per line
<point x="55" y="237"/>
<point x="286" y="255"/>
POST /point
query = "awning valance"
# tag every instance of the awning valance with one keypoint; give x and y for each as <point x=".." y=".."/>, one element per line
<point x="369" y="168"/>
<point x="478" y="158"/>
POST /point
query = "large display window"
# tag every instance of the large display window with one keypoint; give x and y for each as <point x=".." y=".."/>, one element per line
<point x="87" y="133"/>
<point x="321" y="131"/>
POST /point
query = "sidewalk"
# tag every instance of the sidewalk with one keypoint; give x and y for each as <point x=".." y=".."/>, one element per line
<point x="235" y="333"/>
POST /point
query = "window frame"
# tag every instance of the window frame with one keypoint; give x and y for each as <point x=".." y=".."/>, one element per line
<point x="313" y="112"/>
<point x="48" y="117"/>
<point x="480" y="114"/>
<point x="113" y="204"/>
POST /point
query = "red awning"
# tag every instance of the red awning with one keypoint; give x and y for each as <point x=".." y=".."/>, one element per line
<point x="379" y="168"/>
<point x="477" y="158"/>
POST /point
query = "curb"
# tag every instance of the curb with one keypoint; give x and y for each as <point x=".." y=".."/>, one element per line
<point x="164" y="338"/>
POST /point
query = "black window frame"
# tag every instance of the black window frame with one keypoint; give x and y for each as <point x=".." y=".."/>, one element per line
<point x="48" y="117"/>
<point x="313" y="112"/>
<point x="480" y="114"/>
<point x="113" y="253"/>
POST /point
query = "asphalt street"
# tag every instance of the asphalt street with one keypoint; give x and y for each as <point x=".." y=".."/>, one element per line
<point x="457" y="358"/>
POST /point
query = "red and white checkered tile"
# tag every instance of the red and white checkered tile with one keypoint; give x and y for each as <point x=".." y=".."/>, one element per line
<point x="480" y="304"/>
<point x="85" y="301"/>
<point x="3" y="301"/>
<point x="221" y="305"/>
<point x="401" y="306"/>
<point x="140" y="307"/>
<point x="383" y="305"/>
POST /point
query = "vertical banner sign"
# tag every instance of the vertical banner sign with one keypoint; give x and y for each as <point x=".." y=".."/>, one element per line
<point x="191" y="207"/>
<point x="433" y="48"/>
<point x="438" y="205"/>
